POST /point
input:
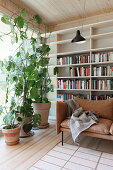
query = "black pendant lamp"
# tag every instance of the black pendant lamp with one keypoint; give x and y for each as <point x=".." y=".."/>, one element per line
<point x="78" y="38"/>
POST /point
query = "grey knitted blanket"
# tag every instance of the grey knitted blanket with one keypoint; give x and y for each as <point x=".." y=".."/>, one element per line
<point x="80" y="121"/>
<point x="72" y="106"/>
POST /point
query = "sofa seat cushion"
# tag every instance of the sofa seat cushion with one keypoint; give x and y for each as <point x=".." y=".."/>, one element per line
<point x="102" y="127"/>
<point x="104" y="108"/>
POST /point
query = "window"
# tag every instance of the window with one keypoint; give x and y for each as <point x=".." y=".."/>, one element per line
<point x="6" y="49"/>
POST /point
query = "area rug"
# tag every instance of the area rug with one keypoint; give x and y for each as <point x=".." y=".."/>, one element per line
<point x="70" y="157"/>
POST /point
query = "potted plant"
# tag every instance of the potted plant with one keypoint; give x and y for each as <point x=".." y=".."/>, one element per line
<point x="11" y="131"/>
<point x="42" y="86"/>
<point x="22" y="69"/>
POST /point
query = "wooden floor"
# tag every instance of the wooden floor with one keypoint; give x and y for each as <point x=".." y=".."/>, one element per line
<point x="29" y="150"/>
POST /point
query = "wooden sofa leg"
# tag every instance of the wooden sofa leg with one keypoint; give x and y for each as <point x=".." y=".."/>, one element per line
<point x="62" y="138"/>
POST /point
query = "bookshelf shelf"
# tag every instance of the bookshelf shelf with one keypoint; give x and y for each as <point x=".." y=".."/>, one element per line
<point x="82" y="64"/>
<point x="102" y="90"/>
<point x="80" y="77"/>
<point x="69" y="53"/>
<point x="84" y="90"/>
<point x="102" y="63"/>
<point x="105" y="77"/>
<point x="101" y="49"/>
<point x="61" y="42"/>
<point x="74" y="89"/>
<point x="101" y="36"/>
<point x="72" y="65"/>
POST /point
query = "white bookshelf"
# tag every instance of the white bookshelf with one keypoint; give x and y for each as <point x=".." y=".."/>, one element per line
<point x="99" y="38"/>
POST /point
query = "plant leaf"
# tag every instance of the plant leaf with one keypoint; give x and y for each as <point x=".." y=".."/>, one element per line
<point x="18" y="54"/>
<point x="27" y="127"/>
<point x="16" y="38"/>
<point x="38" y="19"/>
<point x="19" y="21"/>
<point x="3" y="20"/>
<point x="19" y="119"/>
<point x="23" y="12"/>
<point x="55" y="70"/>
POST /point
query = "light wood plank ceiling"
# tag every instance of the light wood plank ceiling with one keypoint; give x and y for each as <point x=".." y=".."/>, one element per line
<point x="61" y="11"/>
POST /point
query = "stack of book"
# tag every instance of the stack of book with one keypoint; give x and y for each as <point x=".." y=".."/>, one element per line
<point x="79" y="71"/>
<point x="102" y="57"/>
<point x="73" y="84"/>
<point x="102" y="71"/>
<point x="103" y="84"/>
<point x="101" y="97"/>
<point x="73" y="60"/>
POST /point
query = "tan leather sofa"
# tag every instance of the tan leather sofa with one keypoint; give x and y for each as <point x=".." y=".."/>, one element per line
<point x="104" y="108"/>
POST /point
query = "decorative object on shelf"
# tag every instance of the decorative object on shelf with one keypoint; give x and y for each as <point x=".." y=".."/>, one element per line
<point x="79" y="39"/>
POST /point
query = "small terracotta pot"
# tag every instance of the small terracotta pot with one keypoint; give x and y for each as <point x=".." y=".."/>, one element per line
<point x="43" y="110"/>
<point x="11" y="135"/>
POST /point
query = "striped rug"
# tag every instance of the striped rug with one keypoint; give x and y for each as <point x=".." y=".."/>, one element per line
<point x="70" y="157"/>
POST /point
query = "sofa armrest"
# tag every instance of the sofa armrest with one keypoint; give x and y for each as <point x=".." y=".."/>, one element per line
<point x="61" y="110"/>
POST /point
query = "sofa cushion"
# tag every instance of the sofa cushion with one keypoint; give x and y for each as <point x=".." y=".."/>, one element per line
<point x="102" y="127"/>
<point x="111" y="129"/>
<point x="104" y="108"/>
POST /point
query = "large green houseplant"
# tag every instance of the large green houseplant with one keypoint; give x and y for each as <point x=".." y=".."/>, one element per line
<point x="27" y="70"/>
<point x="41" y="87"/>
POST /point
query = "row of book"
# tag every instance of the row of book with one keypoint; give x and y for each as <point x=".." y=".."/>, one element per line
<point x="73" y="60"/>
<point x="102" y="57"/>
<point x="96" y="58"/>
<point x="73" y="84"/>
<point x="101" y="97"/>
<point x="79" y="71"/>
<point x="102" y="71"/>
<point x="103" y="84"/>
<point x="64" y="97"/>
<point x="64" y="60"/>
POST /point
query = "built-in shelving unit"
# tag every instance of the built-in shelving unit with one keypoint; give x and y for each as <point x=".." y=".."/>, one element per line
<point x="99" y="38"/>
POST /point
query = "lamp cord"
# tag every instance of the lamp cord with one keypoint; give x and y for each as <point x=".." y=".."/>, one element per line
<point x="83" y="15"/>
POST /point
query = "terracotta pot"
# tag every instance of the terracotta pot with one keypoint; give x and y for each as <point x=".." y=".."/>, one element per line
<point x="43" y="110"/>
<point x="22" y="133"/>
<point x="11" y="135"/>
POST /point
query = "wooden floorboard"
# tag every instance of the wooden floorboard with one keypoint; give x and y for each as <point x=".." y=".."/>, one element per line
<point x="30" y="150"/>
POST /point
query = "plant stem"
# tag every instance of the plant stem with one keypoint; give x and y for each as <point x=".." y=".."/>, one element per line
<point x="41" y="94"/>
